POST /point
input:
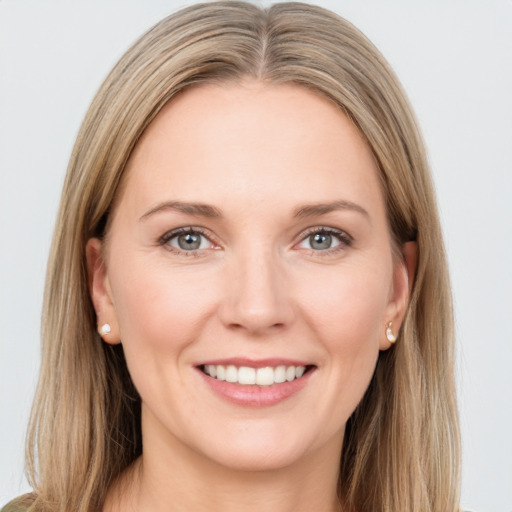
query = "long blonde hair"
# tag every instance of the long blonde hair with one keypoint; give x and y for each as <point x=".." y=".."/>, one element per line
<point x="401" y="447"/>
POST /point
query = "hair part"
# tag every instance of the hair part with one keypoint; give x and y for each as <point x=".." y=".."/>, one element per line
<point x="401" y="446"/>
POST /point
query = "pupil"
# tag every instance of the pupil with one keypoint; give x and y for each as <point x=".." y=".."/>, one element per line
<point x="321" y="241"/>
<point x="189" y="241"/>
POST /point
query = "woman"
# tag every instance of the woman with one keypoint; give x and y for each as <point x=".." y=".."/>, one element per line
<point x="247" y="303"/>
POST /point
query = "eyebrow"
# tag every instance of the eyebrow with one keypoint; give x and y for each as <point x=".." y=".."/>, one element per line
<point x="209" y="211"/>
<point x="197" y="209"/>
<point x="323" y="208"/>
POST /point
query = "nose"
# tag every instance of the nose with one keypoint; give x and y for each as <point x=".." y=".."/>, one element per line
<point x="258" y="299"/>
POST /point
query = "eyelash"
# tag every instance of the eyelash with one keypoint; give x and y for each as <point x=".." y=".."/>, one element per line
<point x="344" y="239"/>
<point x="167" y="237"/>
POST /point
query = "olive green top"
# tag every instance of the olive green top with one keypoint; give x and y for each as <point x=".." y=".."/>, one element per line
<point x="13" y="507"/>
<point x="10" y="507"/>
<point x="19" y="504"/>
<point x="22" y="505"/>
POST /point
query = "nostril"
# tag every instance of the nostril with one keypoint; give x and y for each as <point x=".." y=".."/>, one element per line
<point x="256" y="327"/>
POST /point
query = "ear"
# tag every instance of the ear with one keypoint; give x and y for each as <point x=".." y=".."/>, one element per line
<point x="403" y="278"/>
<point x="99" y="289"/>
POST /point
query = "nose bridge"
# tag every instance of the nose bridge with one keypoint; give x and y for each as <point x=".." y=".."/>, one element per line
<point x="258" y="296"/>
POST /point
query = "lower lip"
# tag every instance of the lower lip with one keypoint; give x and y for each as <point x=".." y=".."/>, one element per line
<point x="255" y="396"/>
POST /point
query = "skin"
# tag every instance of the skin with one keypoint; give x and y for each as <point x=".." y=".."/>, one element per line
<point x="255" y="288"/>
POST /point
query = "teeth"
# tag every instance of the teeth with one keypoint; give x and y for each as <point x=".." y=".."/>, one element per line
<point x="221" y="372"/>
<point x="231" y="374"/>
<point x="248" y="376"/>
<point x="280" y="374"/>
<point x="265" y="376"/>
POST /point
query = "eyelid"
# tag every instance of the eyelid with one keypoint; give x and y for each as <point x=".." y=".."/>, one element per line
<point x="164" y="239"/>
<point x="344" y="238"/>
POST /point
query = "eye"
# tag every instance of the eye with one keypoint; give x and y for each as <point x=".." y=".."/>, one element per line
<point x="325" y="239"/>
<point x="322" y="241"/>
<point x="186" y="240"/>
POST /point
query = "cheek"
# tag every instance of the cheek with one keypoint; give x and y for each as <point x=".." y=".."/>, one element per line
<point x="348" y="317"/>
<point x="159" y="309"/>
<point x="350" y="307"/>
<point x="161" y="313"/>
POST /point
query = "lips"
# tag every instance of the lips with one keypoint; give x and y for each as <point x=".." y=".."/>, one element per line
<point x="255" y="383"/>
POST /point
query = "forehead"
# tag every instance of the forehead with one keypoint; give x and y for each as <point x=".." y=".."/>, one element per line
<point x="251" y="141"/>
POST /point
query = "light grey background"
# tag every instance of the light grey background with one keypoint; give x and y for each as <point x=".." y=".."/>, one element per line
<point x="455" y="60"/>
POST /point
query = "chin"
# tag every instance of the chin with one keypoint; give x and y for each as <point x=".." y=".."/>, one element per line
<point x="262" y="451"/>
<point x="257" y="459"/>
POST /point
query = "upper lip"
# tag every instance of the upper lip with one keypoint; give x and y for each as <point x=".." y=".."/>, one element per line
<point x="255" y="363"/>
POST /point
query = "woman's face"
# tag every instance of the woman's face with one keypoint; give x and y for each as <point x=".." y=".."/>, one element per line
<point x="249" y="245"/>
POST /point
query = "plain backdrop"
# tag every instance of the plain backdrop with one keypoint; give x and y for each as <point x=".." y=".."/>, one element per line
<point x="454" y="59"/>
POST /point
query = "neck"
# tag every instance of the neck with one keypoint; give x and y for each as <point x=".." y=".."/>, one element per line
<point x="174" y="478"/>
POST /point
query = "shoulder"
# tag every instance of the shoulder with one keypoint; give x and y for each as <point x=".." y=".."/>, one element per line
<point x="14" y="507"/>
<point x="20" y="504"/>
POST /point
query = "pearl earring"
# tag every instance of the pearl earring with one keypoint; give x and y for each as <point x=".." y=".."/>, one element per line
<point x="389" y="333"/>
<point x="104" y="329"/>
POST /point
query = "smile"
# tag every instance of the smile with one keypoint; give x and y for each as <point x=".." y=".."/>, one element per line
<point x="248" y="376"/>
<point x="256" y="383"/>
